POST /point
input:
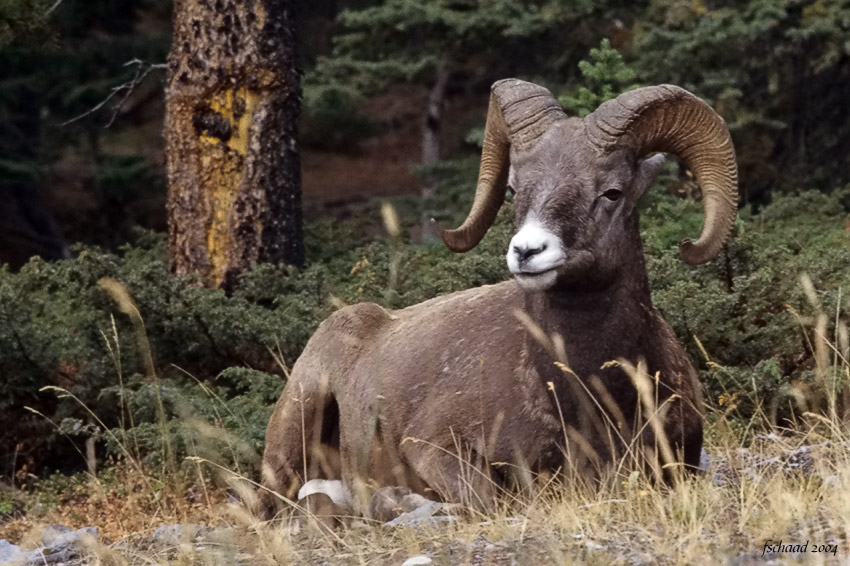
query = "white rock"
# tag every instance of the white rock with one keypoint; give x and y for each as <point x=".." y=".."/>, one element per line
<point x="421" y="515"/>
<point x="10" y="552"/>
<point x="65" y="546"/>
<point x="703" y="460"/>
<point x="833" y="481"/>
<point x="420" y="560"/>
<point x="52" y="533"/>
<point x="179" y="533"/>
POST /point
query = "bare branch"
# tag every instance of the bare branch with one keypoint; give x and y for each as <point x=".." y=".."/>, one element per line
<point x="142" y="71"/>
<point x="53" y="7"/>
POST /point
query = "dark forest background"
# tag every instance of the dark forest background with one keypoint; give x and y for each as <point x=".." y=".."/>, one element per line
<point x="777" y="70"/>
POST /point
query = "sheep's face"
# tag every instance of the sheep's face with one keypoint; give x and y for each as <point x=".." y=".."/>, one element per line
<point x="575" y="211"/>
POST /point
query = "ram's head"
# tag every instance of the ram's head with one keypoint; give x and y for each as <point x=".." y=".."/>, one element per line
<point x="577" y="181"/>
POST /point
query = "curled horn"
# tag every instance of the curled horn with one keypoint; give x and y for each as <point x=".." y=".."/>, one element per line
<point x="670" y="119"/>
<point x="519" y="113"/>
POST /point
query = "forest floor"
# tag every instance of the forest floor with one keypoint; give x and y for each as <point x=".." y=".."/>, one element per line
<point x="788" y="489"/>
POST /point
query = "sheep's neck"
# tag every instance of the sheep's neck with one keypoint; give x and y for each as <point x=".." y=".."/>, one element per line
<point x="597" y="326"/>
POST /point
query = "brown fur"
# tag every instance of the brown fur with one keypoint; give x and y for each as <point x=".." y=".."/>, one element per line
<point x="460" y="374"/>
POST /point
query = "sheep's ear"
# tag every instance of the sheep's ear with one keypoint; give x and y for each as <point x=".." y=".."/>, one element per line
<point x="647" y="170"/>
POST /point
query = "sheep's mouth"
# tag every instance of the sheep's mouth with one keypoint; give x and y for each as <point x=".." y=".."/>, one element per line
<point x="532" y="273"/>
<point x="537" y="280"/>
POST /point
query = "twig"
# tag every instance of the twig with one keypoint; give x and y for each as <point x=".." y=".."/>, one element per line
<point x="604" y="502"/>
<point x="142" y="71"/>
<point x="53" y="7"/>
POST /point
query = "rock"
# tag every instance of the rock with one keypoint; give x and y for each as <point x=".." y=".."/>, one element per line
<point x="64" y="545"/>
<point x="703" y="460"/>
<point x="833" y="481"/>
<point x="225" y="535"/>
<point x="9" y="552"/>
<point x="388" y="503"/>
<point x="53" y="533"/>
<point x="424" y="515"/>
<point x="420" y="560"/>
<point x="745" y="464"/>
<point x="172" y="535"/>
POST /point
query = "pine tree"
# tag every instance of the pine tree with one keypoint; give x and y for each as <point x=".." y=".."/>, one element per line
<point x="24" y="22"/>
<point x="777" y="70"/>
<point x="60" y="176"/>
<point x="430" y="42"/>
<point x="605" y="74"/>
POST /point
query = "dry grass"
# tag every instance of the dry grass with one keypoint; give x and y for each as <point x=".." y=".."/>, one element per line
<point x="624" y="522"/>
<point x="124" y="503"/>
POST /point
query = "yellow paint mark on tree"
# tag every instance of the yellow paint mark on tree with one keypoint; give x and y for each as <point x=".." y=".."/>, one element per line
<point x="225" y="105"/>
<point x="221" y="182"/>
<point x="239" y="141"/>
<point x="224" y="171"/>
<point x="261" y="15"/>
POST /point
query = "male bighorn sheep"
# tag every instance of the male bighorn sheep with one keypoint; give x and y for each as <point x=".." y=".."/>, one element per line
<point x="411" y="396"/>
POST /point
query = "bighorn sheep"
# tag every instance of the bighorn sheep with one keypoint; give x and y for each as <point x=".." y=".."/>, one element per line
<point x="409" y="397"/>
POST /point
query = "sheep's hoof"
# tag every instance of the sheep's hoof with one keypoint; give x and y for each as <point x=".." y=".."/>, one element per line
<point x="390" y="502"/>
<point x="317" y="510"/>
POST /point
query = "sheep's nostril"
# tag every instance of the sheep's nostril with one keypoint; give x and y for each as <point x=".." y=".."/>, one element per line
<point x="525" y="253"/>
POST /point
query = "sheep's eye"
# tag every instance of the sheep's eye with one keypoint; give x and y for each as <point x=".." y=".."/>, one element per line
<point x="612" y="194"/>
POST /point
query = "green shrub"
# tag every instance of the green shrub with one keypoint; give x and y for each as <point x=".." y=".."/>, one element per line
<point x="605" y="74"/>
<point x="776" y="70"/>
<point x="57" y="328"/>
<point x="332" y="119"/>
<point x="738" y="305"/>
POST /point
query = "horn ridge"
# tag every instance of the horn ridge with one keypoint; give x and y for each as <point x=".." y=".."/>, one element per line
<point x="670" y="119"/>
<point x="519" y="114"/>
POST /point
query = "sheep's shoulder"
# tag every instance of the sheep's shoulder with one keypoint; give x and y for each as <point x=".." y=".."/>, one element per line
<point x="357" y="321"/>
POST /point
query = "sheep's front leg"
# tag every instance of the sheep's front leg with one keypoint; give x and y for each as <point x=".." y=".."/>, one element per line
<point x="456" y="473"/>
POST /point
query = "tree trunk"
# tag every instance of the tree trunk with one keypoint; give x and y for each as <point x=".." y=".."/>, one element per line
<point x="431" y="131"/>
<point x="91" y="456"/>
<point x="434" y="119"/>
<point x="232" y="105"/>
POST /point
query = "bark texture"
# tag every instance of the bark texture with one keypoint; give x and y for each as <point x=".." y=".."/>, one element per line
<point x="232" y="105"/>
<point x="431" y="132"/>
